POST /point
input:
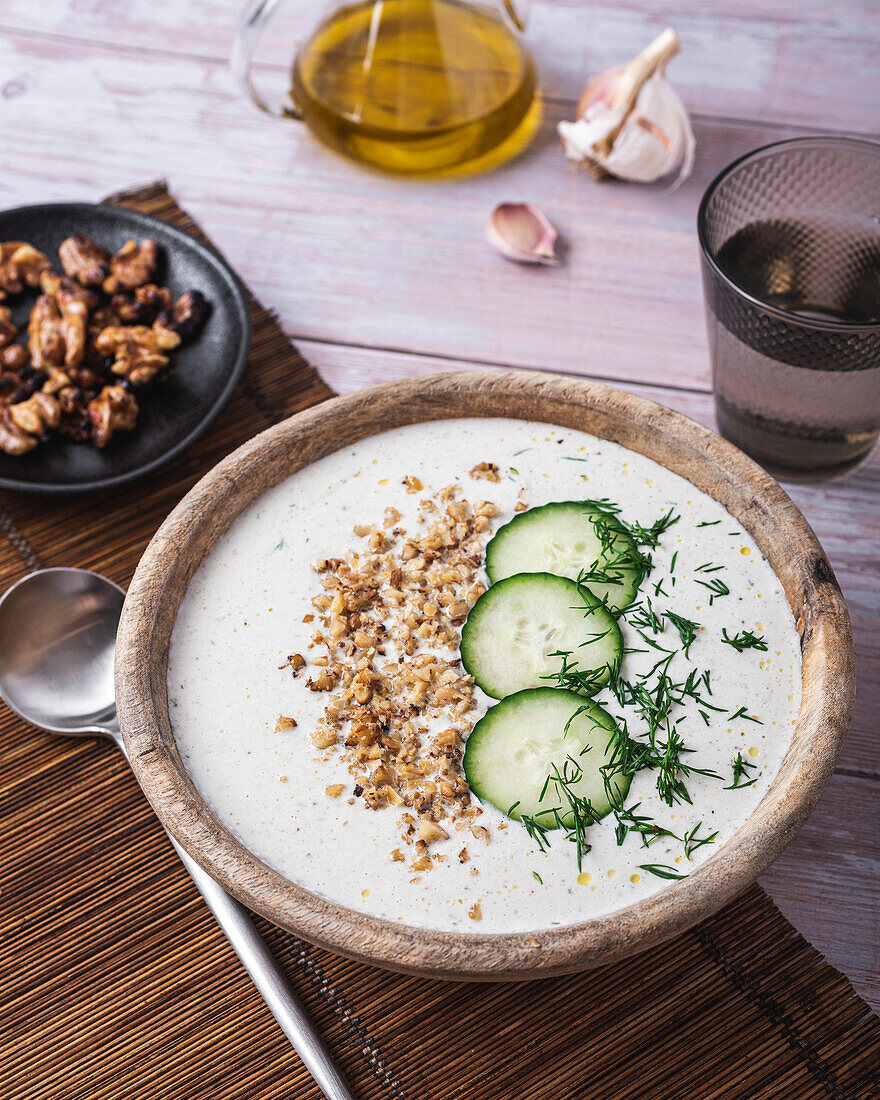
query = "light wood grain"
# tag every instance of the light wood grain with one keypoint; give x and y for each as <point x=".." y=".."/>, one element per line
<point x="347" y="255"/>
<point x="803" y="62"/>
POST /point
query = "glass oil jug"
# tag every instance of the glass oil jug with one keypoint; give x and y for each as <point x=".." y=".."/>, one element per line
<point x="415" y="87"/>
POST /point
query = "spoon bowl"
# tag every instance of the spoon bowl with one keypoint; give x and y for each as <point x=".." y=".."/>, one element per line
<point x="57" y="644"/>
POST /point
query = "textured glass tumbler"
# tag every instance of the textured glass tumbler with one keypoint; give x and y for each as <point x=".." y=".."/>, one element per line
<point x="790" y="239"/>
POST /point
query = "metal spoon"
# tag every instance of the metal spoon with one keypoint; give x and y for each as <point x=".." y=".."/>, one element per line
<point x="57" y="643"/>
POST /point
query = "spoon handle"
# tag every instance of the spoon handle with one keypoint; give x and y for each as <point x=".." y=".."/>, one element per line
<point x="266" y="975"/>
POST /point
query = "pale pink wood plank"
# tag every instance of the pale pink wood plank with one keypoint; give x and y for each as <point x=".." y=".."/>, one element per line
<point x="845" y="515"/>
<point x="808" y="63"/>
<point x="346" y="255"/>
<point x="827" y="882"/>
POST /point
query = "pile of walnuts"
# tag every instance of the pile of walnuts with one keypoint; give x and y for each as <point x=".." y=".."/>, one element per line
<point x="97" y="333"/>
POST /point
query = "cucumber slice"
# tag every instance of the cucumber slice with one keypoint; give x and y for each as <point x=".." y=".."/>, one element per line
<point x="517" y="628"/>
<point x="523" y="740"/>
<point x="566" y="538"/>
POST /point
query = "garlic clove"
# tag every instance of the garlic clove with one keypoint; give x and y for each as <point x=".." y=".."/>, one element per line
<point x="631" y="122"/>
<point x="521" y="232"/>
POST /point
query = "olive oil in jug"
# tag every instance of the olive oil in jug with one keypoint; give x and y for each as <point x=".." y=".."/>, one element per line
<point x="418" y="87"/>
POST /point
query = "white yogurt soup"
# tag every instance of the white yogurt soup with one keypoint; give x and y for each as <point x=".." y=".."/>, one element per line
<point x="320" y="704"/>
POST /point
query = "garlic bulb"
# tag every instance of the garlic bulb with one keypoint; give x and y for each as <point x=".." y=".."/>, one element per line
<point x="522" y="233"/>
<point x="632" y="123"/>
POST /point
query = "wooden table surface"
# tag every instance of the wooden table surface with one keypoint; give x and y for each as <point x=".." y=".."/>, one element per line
<point x="378" y="278"/>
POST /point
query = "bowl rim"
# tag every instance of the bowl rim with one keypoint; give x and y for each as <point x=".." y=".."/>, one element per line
<point x="668" y="437"/>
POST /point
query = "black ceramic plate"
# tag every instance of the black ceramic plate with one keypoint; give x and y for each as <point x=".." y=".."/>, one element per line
<point x="178" y="410"/>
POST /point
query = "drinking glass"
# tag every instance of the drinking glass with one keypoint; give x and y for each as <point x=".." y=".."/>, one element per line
<point x="790" y="240"/>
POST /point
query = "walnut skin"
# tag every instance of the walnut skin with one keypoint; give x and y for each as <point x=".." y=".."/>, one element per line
<point x="39" y="413"/>
<point x="8" y="331"/>
<point x="20" y="266"/>
<point x="13" y="441"/>
<point x="132" y="266"/>
<point x="13" y="357"/>
<point x="187" y="316"/>
<point x="84" y="260"/>
<point x="138" y="351"/>
<point x="99" y="319"/>
<point x="113" y="410"/>
<point x="74" y="302"/>
<point x="46" y="334"/>
<point x="18" y="383"/>
<point x="143" y="306"/>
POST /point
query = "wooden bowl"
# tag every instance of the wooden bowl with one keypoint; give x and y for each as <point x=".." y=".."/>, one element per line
<point x="706" y="460"/>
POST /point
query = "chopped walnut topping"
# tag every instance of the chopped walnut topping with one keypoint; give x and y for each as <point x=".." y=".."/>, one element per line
<point x="132" y="266"/>
<point x="487" y="470"/>
<point x="413" y="485"/>
<point x="475" y="912"/>
<point x="283" y="723"/>
<point x="389" y="615"/>
<point x="463" y="856"/>
<point x="323" y="737"/>
<point x="294" y="662"/>
<point x="334" y="790"/>
<point x="520" y="507"/>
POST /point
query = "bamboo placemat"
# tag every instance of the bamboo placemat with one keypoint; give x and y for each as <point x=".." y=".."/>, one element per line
<point x="116" y="983"/>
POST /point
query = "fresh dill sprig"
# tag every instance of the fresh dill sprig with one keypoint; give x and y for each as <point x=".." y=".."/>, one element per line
<point x="743" y="713"/>
<point x="661" y="870"/>
<point x="536" y="876"/>
<point x="692" y="840"/>
<point x="650" y="536"/>
<point x="717" y="587"/>
<point x="628" y="821"/>
<point x="744" y="640"/>
<point x="706" y="523"/>
<point x="586" y="681"/>
<point x="687" y="629"/>
<point x="741" y="769"/>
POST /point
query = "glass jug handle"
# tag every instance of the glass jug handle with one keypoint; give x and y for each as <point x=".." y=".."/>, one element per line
<point x="247" y="34"/>
<point x="517" y="12"/>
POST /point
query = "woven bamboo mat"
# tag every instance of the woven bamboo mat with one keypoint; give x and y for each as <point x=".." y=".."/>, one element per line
<point x="115" y="982"/>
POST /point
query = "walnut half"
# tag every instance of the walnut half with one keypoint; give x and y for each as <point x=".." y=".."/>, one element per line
<point x="187" y="316"/>
<point x="113" y="410"/>
<point x="139" y="351"/>
<point x="20" y="266"/>
<point x="13" y="441"/>
<point x="84" y="260"/>
<point x="37" y="415"/>
<point x="132" y="266"/>
<point x="74" y="304"/>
